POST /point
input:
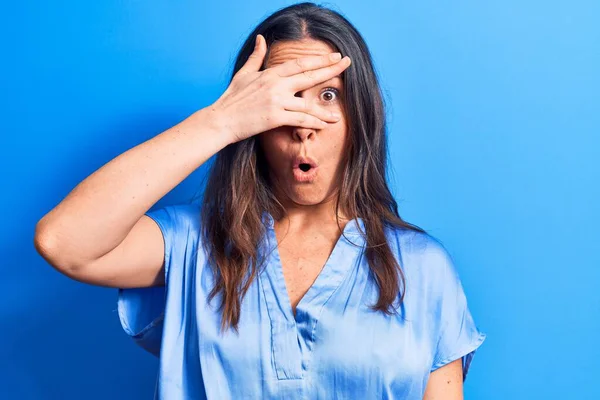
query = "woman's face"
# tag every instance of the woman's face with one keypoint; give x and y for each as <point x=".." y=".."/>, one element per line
<point x="326" y="147"/>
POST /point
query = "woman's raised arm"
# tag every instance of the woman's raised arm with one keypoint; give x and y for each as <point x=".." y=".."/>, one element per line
<point x="82" y="236"/>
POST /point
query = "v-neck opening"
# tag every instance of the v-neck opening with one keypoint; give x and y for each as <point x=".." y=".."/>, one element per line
<point x="329" y="277"/>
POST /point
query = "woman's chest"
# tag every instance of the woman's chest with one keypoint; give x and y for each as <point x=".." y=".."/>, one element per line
<point x="334" y="337"/>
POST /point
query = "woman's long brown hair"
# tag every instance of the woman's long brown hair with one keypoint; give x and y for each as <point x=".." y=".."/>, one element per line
<point x="238" y="190"/>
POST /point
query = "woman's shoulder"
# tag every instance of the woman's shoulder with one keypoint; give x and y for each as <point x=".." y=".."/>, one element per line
<point x="186" y="214"/>
<point x="415" y="243"/>
<point x="422" y="256"/>
<point x="180" y="226"/>
<point x="177" y="218"/>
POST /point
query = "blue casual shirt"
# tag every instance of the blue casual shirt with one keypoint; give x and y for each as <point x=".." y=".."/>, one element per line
<point x="335" y="347"/>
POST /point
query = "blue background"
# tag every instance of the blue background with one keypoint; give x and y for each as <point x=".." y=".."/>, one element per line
<point x="494" y="122"/>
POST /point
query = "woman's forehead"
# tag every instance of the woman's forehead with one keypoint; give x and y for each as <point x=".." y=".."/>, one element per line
<point x="283" y="51"/>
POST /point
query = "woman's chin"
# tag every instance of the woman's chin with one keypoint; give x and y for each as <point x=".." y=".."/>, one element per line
<point x="302" y="193"/>
<point x="307" y="196"/>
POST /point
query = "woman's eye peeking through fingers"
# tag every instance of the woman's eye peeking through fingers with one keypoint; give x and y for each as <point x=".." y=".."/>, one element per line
<point x="327" y="97"/>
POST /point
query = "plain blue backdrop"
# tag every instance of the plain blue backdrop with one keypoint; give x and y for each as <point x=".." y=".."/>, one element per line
<point x="494" y="113"/>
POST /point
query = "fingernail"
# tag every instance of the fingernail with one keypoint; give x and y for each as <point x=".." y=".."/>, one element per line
<point x="335" y="56"/>
<point x="336" y="115"/>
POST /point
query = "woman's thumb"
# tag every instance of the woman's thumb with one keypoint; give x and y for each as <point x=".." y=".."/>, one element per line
<point x="257" y="42"/>
<point x="256" y="58"/>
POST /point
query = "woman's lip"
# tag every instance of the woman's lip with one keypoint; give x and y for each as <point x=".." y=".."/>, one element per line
<point x="305" y="176"/>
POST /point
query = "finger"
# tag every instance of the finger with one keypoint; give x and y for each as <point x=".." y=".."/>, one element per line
<point x="296" y="118"/>
<point x="308" y="79"/>
<point x="303" y="105"/>
<point x="298" y="65"/>
<point x="255" y="59"/>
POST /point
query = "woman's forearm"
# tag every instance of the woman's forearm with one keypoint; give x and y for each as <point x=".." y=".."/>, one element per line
<point x="99" y="212"/>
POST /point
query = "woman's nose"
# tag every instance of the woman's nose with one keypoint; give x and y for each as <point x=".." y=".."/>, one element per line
<point x="302" y="134"/>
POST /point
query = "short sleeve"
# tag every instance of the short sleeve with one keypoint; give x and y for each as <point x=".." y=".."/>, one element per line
<point x="458" y="335"/>
<point x="142" y="310"/>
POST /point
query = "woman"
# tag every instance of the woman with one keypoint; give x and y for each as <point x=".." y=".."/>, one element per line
<point x="295" y="277"/>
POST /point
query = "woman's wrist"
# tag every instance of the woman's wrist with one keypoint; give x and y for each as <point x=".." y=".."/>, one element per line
<point x="214" y="124"/>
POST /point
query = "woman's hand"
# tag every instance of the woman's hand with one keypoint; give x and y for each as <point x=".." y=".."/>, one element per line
<point x="257" y="101"/>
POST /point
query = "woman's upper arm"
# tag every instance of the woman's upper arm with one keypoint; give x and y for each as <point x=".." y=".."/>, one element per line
<point x="137" y="262"/>
<point x="446" y="383"/>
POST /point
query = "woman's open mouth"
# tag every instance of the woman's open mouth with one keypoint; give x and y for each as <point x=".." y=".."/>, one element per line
<point x="305" y="169"/>
<point x="305" y="173"/>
